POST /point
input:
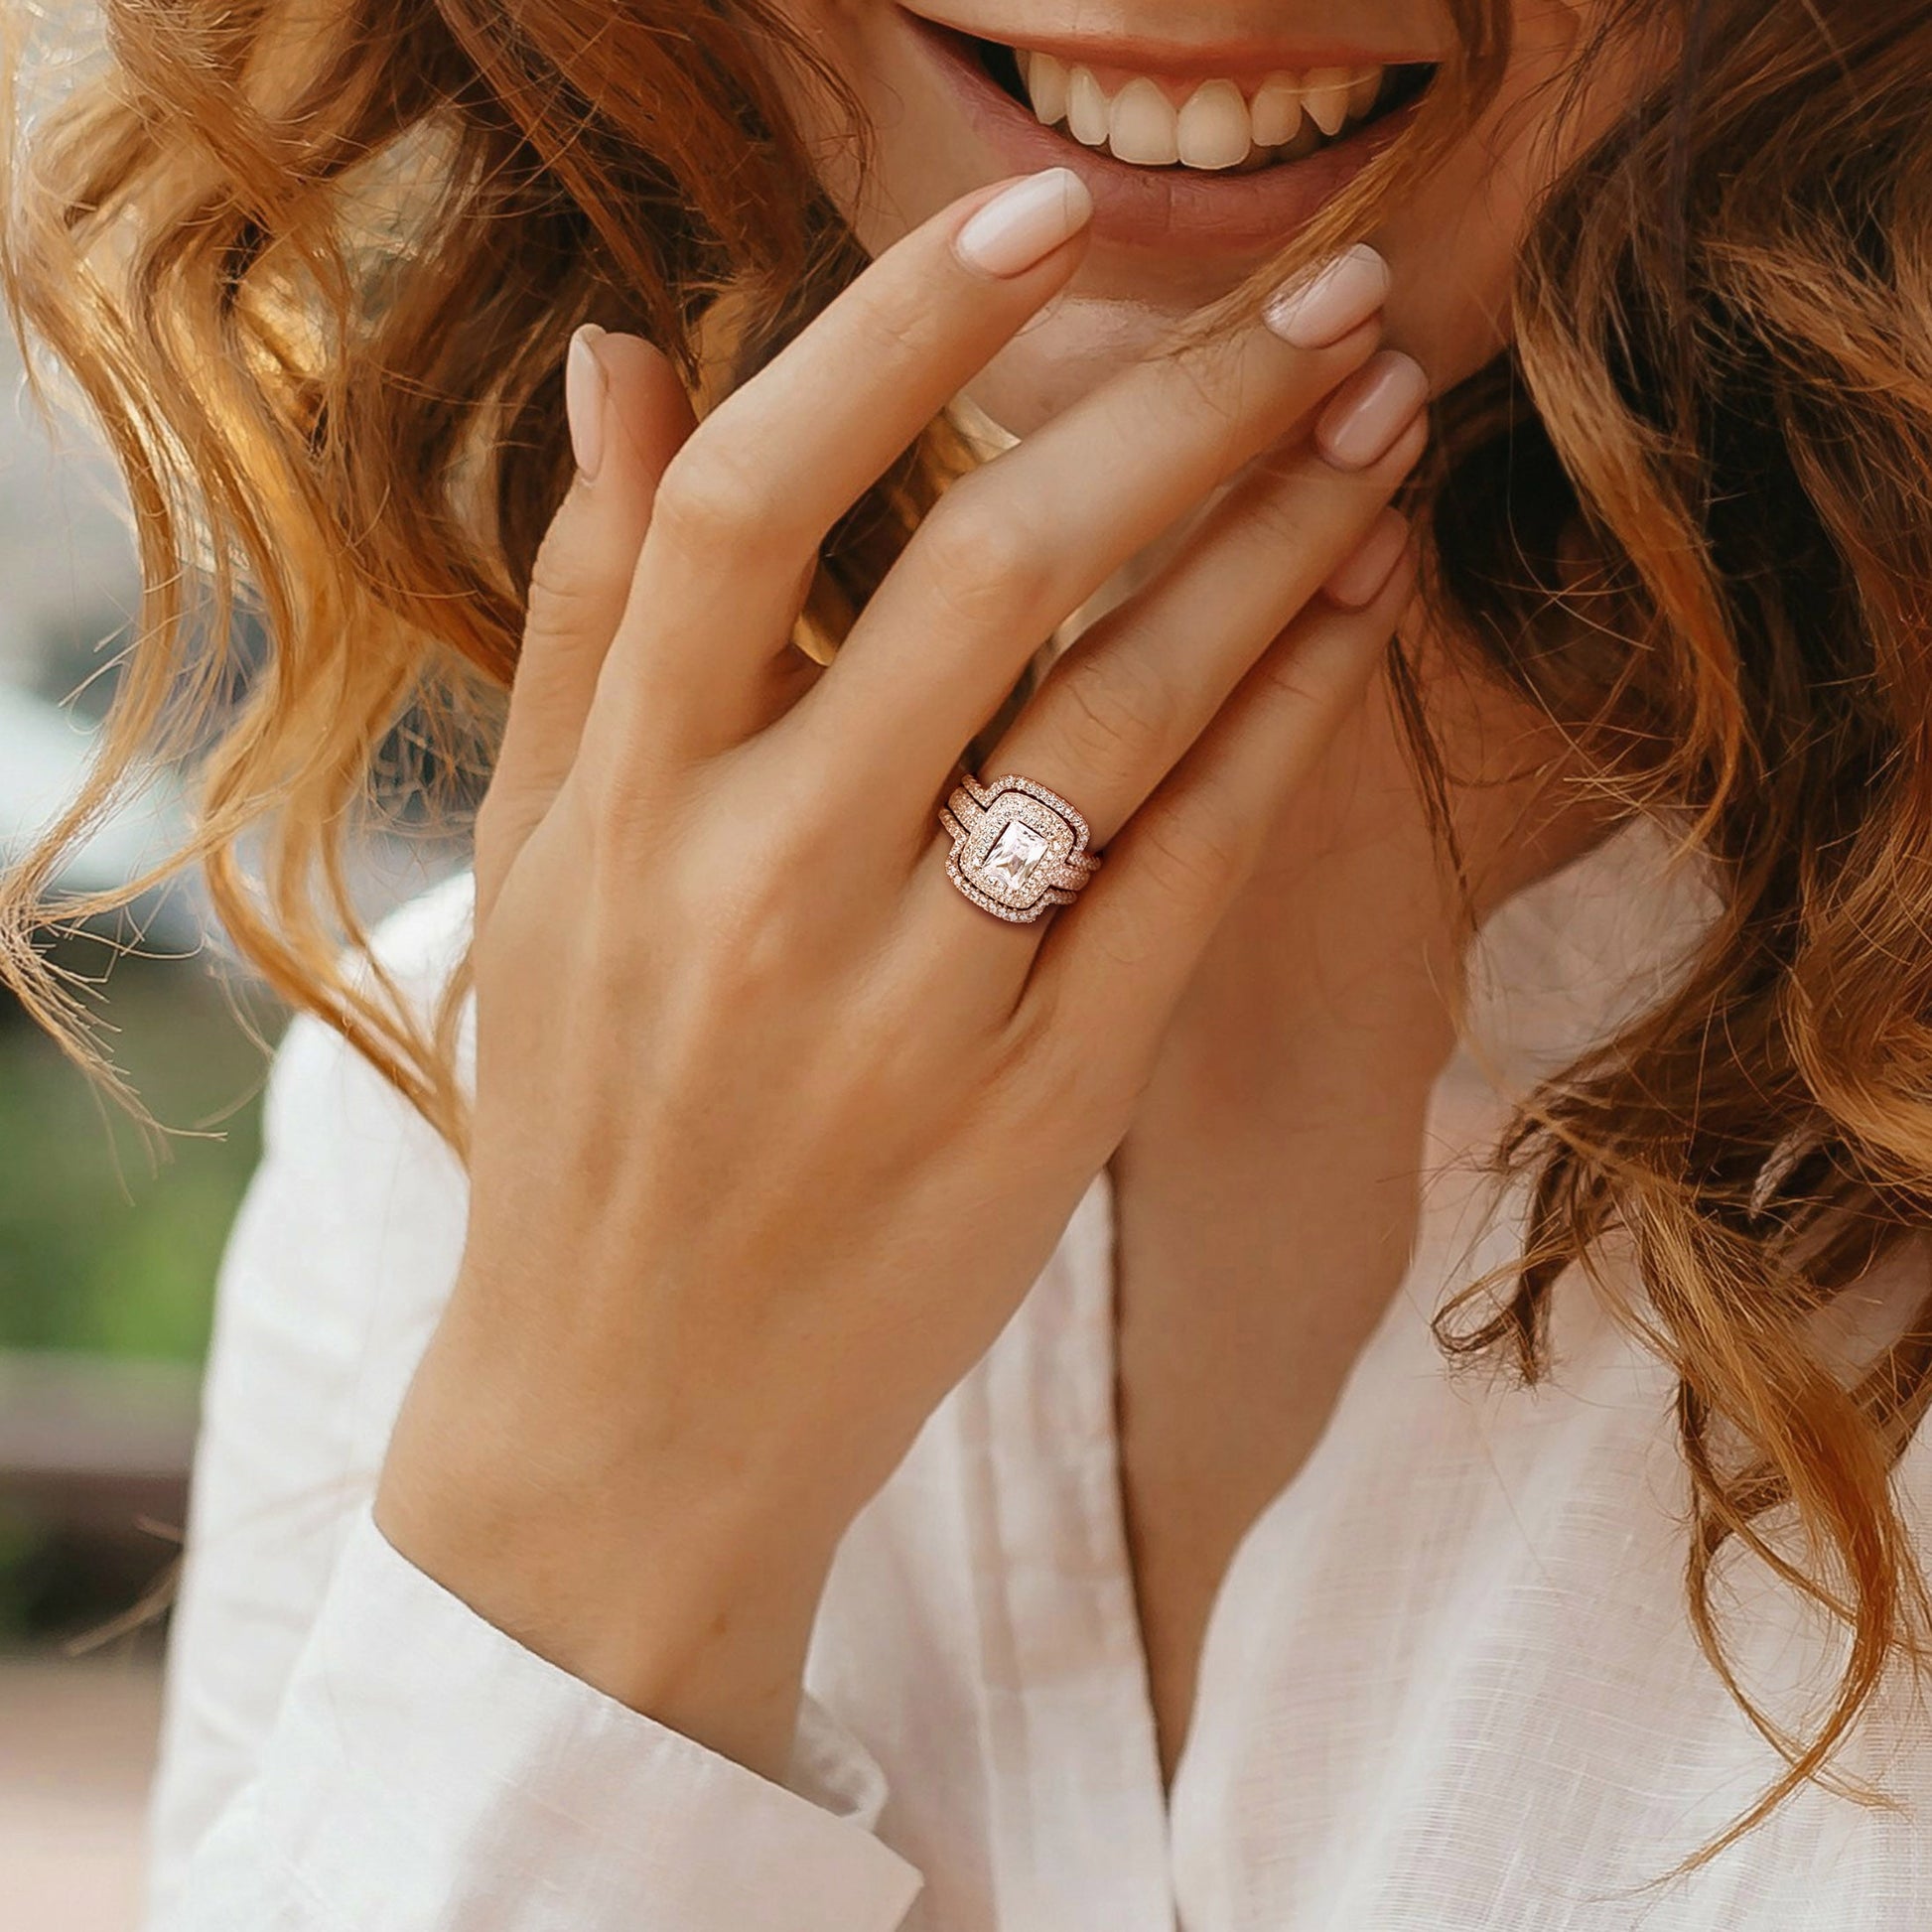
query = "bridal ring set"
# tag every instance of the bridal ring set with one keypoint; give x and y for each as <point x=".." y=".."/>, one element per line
<point x="1016" y="848"/>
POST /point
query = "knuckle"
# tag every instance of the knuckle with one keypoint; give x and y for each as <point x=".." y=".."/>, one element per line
<point x="1221" y="392"/>
<point x="564" y="581"/>
<point x="711" y="495"/>
<point x="896" y="331"/>
<point x="614" y="790"/>
<point x="981" y="560"/>
<point x="621" y="821"/>
<point x="750" y="944"/>
<point x="1110" y="712"/>
<point x="1190" y="856"/>
<point x="735" y="943"/>
<point x="744" y="904"/>
<point x="1299" y="683"/>
<point x="1281" y="509"/>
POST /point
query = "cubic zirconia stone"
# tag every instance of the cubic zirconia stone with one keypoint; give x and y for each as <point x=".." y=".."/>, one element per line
<point x="1016" y="852"/>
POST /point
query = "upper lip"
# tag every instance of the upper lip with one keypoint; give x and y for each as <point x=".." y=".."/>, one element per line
<point x="1148" y="54"/>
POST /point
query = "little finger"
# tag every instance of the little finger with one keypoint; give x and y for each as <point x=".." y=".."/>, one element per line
<point x="628" y="414"/>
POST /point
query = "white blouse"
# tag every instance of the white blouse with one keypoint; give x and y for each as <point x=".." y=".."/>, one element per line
<point x="1449" y="1682"/>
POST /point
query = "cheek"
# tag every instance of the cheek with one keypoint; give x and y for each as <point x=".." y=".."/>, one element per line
<point x="1454" y="251"/>
<point x="1457" y="244"/>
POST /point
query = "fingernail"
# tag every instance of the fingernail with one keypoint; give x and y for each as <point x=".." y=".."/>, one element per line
<point x="1358" y="580"/>
<point x="586" y="390"/>
<point x="1322" y="305"/>
<point x="1362" y="420"/>
<point x="1024" y="223"/>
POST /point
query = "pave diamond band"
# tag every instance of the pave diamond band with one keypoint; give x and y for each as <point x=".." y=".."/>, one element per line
<point x="1016" y="848"/>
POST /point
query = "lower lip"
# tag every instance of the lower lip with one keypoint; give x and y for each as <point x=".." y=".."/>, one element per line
<point x="1179" y="211"/>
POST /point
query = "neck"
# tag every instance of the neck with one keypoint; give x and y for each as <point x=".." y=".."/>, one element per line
<point x="1326" y="1003"/>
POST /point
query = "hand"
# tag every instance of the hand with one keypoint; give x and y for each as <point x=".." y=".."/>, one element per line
<point x="772" y="1128"/>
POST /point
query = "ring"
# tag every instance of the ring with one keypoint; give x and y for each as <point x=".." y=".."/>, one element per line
<point x="1016" y="848"/>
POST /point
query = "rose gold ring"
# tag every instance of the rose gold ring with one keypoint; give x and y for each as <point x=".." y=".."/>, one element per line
<point x="1016" y="848"/>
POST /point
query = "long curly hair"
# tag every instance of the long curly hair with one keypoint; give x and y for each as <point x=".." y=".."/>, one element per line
<point x="312" y="269"/>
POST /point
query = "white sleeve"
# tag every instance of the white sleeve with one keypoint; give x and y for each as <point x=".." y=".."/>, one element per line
<point x="347" y="1746"/>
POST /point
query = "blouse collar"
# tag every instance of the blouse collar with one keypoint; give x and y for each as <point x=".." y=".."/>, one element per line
<point x="1564" y="961"/>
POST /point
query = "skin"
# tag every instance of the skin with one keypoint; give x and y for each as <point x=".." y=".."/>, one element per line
<point x="1242" y="1014"/>
<point x="1455" y="244"/>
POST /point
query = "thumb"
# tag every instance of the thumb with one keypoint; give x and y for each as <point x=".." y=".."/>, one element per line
<point x="629" y="415"/>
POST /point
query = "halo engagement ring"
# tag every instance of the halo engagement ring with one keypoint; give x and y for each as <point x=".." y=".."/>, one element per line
<point x="1016" y="848"/>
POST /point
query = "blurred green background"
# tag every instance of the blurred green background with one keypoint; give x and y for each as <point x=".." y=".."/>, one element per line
<point x="109" y="1237"/>
<point x="109" y="1243"/>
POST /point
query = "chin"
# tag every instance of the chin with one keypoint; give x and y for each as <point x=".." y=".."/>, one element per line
<point x="1075" y="346"/>
<point x="1068" y="350"/>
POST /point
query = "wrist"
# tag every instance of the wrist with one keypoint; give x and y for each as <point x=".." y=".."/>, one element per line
<point x="684" y="1588"/>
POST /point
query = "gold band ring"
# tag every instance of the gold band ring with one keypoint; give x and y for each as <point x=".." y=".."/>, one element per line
<point x="1016" y="848"/>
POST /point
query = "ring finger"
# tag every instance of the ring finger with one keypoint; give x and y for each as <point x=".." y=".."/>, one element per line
<point x="1128" y="699"/>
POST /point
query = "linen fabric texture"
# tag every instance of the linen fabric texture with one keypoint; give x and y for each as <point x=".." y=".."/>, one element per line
<point x="1449" y="1684"/>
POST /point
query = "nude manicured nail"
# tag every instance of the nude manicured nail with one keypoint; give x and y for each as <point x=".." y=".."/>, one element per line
<point x="1363" y="421"/>
<point x="586" y="390"/>
<point x="1359" y="578"/>
<point x="1323" y="304"/>
<point x="1024" y="223"/>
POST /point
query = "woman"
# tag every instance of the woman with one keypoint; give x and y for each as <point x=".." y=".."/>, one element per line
<point x="904" y="1385"/>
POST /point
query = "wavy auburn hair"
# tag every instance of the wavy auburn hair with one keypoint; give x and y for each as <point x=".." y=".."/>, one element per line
<point x="312" y="267"/>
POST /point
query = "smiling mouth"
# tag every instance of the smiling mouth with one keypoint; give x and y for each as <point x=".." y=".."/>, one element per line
<point x="1215" y="124"/>
<point x="1190" y="151"/>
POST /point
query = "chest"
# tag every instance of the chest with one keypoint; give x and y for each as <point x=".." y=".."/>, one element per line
<point x="1219" y="1406"/>
<point x="1256" y="1248"/>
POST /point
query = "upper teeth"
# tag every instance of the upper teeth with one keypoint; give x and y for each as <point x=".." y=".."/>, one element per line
<point x="1214" y="126"/>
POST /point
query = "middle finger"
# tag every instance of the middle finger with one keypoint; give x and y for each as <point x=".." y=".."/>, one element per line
<point x="1015" y="547"/>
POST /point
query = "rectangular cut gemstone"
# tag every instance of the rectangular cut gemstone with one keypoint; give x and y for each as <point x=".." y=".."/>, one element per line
<point x="1016" y="852"/>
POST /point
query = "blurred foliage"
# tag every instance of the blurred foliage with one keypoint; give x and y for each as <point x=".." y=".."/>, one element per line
<point x="109" y="1237"/>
